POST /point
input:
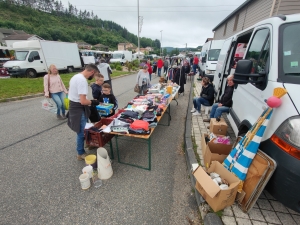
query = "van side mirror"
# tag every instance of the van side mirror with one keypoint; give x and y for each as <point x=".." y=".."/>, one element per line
<point x="242" y="71"/>
<point x="123" y="57"/>
<point x="30" y="59"/>
<point x="203" y="59"/>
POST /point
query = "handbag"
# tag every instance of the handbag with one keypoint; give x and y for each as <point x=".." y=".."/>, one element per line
<point x="137" y="88"/>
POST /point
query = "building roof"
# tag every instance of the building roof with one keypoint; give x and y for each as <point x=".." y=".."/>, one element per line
<point x="233" y="13"/>
<point x="208" y="39"/>
<point x="11" y="31"/>
<point x="83" y="43"/>
<point x="101" y="46"/>
<point x="21" y="37"/>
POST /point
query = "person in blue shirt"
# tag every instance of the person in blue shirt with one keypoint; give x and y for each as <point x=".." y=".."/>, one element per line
<point x="107" y="97"/>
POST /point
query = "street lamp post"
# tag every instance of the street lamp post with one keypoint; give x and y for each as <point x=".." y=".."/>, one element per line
<point x="161" y="43"/>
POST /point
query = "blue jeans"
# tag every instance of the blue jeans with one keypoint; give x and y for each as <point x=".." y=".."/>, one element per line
<point x="194" y="68"/>
<point x="158" y="71"/>
<point x="200" y="101"/>
<point x="216" y="112"/>
<point x="150" y="76"/>
<point x="80" y="135"/>
<point x="58" y="98"/>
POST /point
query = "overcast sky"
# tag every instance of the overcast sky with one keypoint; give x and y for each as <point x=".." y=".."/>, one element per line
<point x="182" y="22"/>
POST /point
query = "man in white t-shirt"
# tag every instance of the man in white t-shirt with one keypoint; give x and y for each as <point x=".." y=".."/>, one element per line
<point x="79" y="110"/>
<point x="106" y="71"/>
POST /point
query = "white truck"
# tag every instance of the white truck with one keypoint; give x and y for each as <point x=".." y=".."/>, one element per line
<point x="263" y="57"/>
<point x="121" y="57"/>
<point x="209" y="58"/>
<point x="34" y="57"/>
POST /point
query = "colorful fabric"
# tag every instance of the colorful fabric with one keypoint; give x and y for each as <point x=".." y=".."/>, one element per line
<point x="240" y="158"/>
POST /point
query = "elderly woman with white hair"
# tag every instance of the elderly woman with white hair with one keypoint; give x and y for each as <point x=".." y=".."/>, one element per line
<point x="225" y="101"/>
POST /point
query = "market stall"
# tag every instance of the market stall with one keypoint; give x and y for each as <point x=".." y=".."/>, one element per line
<point x="138" y="120"/>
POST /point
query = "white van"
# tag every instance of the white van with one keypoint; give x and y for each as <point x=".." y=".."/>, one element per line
<point x="121" y="56"/>
<point x="35" y="56"/>
<point x="271" y="58"/>
<point x="209" y="58"/>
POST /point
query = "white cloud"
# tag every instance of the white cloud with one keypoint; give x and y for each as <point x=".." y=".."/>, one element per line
<point x="189" y="21"/>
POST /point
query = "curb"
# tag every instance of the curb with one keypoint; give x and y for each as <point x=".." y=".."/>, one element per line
<point x="210" y="218"/>
<point x="42" y="94"/>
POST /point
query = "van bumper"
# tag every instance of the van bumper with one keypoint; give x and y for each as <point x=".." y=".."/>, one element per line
<point x="285" y="182"/>
<point x="16" y="72"/>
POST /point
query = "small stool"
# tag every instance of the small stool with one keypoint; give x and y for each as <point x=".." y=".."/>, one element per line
<point x="206" y="109"/>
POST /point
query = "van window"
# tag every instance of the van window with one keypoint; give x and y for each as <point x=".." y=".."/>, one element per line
<point x="21" y="55"/>
<point x="259" y="51"/>
<point x="289" y="53"/>
<point x="34" y="55"/>
<point x="213" y="54"/>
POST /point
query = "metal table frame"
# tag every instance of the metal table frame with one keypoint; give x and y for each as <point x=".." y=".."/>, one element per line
<point x="143" y="138"/>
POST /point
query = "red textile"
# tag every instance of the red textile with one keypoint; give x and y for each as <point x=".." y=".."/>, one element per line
<point x="196" y="60"/>
<point x="160" y="63"/>
<point x="149" y="68"/>
<point x="140" y="124"/>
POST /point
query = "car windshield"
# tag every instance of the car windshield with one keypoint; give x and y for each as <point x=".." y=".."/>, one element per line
<point x="117" y="56"/>
<point x="291" y="50"/>
<point x="21" y="55"/>
<point x="213" y="54"/>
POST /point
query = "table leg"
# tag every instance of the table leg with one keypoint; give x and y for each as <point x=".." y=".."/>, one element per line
<point x="111" y="150"/>
<point x="118" y="153"/>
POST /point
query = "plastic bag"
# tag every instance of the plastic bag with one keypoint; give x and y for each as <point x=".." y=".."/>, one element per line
<point x="66" y="102"/>
<point x="49" y="105"/>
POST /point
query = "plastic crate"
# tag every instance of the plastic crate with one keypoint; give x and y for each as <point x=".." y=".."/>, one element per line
<point x="98" y="139"/>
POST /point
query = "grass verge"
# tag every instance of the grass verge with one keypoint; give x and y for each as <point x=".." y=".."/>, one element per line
<point x="195" y="150"/>
<point x="16" y="87"/>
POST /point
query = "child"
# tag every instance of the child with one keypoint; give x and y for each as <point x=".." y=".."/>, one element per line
<point x="96" y="92"/>
<point x="107" y="97"/>
<point x="96" y="87"/>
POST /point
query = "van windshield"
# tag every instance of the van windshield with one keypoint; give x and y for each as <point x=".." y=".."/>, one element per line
<point x="117" y="56"/>
<point x="213" y="54"/>
<point x="291" y="50"/>
<point x="21" y="55"/>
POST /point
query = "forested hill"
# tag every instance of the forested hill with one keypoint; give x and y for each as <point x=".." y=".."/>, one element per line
<point x="50" y="20"/>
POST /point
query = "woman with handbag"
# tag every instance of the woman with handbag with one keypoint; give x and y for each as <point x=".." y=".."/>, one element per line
<point x="54" y="88"/>
<point x="143" y="80"/>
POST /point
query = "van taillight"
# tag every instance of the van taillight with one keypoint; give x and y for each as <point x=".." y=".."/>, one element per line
<point x="285" y="146"/>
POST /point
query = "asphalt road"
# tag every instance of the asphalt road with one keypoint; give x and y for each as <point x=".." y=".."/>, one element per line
<point x="39" y="172"/>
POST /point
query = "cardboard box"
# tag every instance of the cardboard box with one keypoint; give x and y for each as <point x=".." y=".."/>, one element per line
<point x="216" y="152"/>
<point x="217" y="199"/>
<point x="218" y="127"/>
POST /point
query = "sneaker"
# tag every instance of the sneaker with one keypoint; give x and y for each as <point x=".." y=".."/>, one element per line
<point x="206" y="120"/>
<point x="193" y="110"/>
<point x="81" y="157"/>
<point x="196" y="113"/>
<point x="64" y="117"/>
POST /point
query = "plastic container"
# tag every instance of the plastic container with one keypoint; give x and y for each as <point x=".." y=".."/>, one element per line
<point x="169" y="89"/>
<point x="105" y="170"/>
<point x="85" y="181"/>
<point x="89" y="170"/>
<point x="91" y="160"/>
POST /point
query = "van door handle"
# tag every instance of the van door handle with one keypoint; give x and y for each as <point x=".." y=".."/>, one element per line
<point x="41" y="61"/>
<point x="219" y="75"/>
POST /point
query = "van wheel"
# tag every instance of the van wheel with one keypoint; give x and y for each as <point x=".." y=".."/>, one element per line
<point x="70" y="69"/>
<point x="30" y="73"/>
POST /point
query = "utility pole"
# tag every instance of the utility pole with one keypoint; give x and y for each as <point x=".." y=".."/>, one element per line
<point x="138" y="8"/>
<point x="161" y="43"/>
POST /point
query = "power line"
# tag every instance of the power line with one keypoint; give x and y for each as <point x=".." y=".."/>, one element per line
<point x="159" y="6"/>
<point x="160" y="11"/>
